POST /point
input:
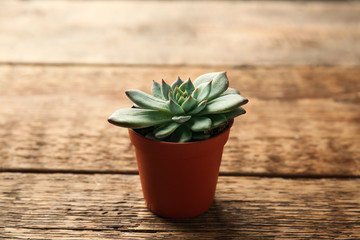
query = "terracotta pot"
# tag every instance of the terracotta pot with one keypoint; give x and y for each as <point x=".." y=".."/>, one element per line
<point x="179" y="179"/>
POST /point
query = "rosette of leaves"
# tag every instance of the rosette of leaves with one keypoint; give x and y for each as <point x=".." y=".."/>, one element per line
<point x="183" y="111"/>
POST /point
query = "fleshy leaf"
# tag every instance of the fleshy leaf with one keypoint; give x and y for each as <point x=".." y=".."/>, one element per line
<point x="205" y="78"/>
<point x="181" y="100"/>
<point x="230" y="91"/>
<point x="165" y="89"/>
<point x="166" y="129"/>
<point x="181" y="119"/>
<point x="188" y="86"/>
<point x="199" y="124"/>
<point x="234" y="113"/>
<point x="200" y="136"/>
<point x="178" y="91"/>
<point x="171" y="94"/>
<point x="195" y="93"/>
<point x="156" y="90"/>
<point x="217" y="120"/>
<point x="138" y="118"/>
<point x="218" y="86"/>
<point x="181" y="134"/>
<point x="177" y="83"/>
<point x="174" y="107"/>
<point x="199" y="108"/>
<point x="177" y="97"/>
<point x="224" y="104"/>
<point x="189" y="104"/>
<point x="204" y="91"/>
<point x="145" y="100"/>
<point x="151" y="136"/>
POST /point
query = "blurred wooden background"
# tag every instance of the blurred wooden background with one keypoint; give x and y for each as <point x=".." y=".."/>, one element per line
<point x="290" y="170"/>
<point x="180" y="32"/>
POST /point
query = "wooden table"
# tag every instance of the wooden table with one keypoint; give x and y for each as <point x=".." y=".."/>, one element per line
<point x="291" y="168"/>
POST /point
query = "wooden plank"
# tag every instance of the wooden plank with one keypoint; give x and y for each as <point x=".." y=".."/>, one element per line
<point x="300" y="120"/>
<point x="68" y="206"/>
<point x="180" y="32"/>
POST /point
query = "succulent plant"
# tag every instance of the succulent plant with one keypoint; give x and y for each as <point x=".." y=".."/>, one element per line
<point x="183" y="111"/>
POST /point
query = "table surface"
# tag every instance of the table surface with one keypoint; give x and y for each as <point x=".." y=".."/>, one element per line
<point x="291" y="167"/>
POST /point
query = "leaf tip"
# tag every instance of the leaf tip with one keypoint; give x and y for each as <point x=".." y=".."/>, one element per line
<point x="111" y="119"/>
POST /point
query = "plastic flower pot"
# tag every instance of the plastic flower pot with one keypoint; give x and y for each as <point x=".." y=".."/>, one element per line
<point x="179" y="179"/>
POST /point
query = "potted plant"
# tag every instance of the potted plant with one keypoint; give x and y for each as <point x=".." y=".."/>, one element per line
<point x="179" y="133"/>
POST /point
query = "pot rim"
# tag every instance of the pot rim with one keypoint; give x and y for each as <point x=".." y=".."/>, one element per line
<point x="185" y="143"/>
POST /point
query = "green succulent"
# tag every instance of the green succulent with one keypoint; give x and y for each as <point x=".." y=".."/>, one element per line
<point x="183" y="111"/>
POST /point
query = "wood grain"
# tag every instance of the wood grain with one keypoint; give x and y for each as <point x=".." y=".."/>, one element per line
<point x="181" y="32"/>
<point x="300" y="121"/>
<point x="67" y="206"/>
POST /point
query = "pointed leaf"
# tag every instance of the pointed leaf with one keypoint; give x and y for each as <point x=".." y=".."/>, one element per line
<point x="174" y="107"/>
<point x="181" y="119"/>
<point x="156" y="90"/>
<point x="205" y="78"/>
<point x="204" y="91"/>
<point x="218" y="86"/>
<point x="171" y="94"/>
<point x="165" y="89"/>
<point x="145" y="100"/>
<point x="178" y="91"/>
<point x="181" y="100"/>
<point x="138" y="118"/>
<point x="181" y="134"/>
<point x="199" y="124"/>
<point x="189" y="104"/>
<point x="177" y="97"/>
<point x="217" y="120"/>
<point x="195" y="93"/>
<point x="166" y="129"/>
<point x="224" y="104"/>
<point x="177" y="83"/>
<point x="199" y="108"/>
<point x="188" y="86"/>
<point x="234" y="113"/>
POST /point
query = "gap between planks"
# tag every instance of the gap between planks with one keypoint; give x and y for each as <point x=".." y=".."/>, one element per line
<point x="170" y="65"/>
<point x="221" y="174"/>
